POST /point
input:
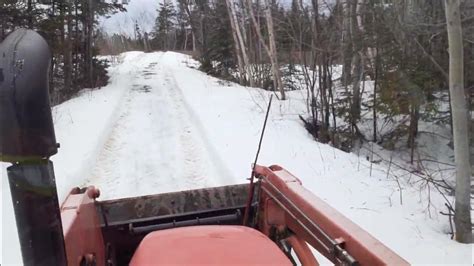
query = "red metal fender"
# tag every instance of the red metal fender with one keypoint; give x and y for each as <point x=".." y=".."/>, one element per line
<point x="81" y="227"/>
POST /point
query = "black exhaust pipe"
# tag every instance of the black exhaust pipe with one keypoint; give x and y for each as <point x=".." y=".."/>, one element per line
<point x="27" y="140"/>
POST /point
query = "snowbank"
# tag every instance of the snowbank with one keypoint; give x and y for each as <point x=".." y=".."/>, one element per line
<point x="232" y="117"/>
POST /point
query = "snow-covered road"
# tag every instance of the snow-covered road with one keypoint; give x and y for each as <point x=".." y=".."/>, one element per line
<point x="154" y="145"/>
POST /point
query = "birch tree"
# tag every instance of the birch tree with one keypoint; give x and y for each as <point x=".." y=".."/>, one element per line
<point x="243" y="46"/>
<point x="238" y="46"/>
<point x="462" y="217"/>
<point x="271" y="48"/>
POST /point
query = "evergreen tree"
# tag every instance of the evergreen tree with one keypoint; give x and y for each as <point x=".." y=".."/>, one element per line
<point x="164" y="26"/>
<point x="69" y="27"/>
<point x="220" y="41"/>
<point x="138" y="32"/>
<point x="184" y="38"/>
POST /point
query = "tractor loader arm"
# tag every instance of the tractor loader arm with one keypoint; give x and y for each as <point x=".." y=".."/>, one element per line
<point x="289" y="212"/>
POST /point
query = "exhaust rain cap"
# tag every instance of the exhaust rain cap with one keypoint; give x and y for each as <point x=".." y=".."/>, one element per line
<point x="26" y="124"/>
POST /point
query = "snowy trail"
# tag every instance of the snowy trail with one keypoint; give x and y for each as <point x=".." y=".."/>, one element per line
<point x="154" y="145"/>
<point x="161" y="125"/>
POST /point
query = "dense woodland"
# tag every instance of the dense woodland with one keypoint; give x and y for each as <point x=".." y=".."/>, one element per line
<point x="336" y="51"/>
<point x="400" y="45"/>
<point x="70" y="29"/>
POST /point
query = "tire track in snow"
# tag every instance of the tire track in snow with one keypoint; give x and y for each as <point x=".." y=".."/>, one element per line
<point x="194" y="171"/>
<point x="123" y="168"/>
<point x="224" y="176"/>
<point x="109" y="146"/>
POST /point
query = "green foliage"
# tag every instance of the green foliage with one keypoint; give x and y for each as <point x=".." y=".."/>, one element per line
<point x="219" y="58"/>
<point x="164" y="24"/>
<point x="100" y="72"/>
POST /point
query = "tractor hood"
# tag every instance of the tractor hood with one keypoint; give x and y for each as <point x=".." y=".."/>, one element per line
<point x="209" y="245"/>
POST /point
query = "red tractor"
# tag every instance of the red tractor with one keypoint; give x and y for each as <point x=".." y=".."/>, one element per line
<point x="272" y="221"/>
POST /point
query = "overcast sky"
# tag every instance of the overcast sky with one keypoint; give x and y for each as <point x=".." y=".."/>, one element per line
<point x="142" y="11"/>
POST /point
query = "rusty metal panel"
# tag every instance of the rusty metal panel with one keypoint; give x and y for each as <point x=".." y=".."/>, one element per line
<point x="129" y="210"/>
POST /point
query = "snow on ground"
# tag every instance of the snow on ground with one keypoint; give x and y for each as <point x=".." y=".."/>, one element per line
<point x="155" y="145"/>
<point x="162" y="126"/>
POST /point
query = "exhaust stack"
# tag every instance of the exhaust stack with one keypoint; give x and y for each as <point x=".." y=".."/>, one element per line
<point x="27" y="140"/>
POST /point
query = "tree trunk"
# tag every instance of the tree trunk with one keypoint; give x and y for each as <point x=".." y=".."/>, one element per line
<point x="29" y="11"/>
<point x="273" y="50"/>
<point x="346" y="44"/>
<point x="238" y="48"/>
<point x="462" y="217"/>
<point x="89" y="25"/>
<point x="413" y="128"/>
<point x="145" y="42"/>
<point x="357" y="60"/>
<point x="67" y="52"/>
<point x="243" y="47"/>
<point x="376" y="81"/>
<point x="197" y="44"/>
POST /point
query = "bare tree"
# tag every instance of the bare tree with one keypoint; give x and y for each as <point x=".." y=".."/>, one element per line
<point x="462" y="217"/>
<point x="356" y="31"/>
<point x="237" y="44"/>
<point x="271" y="48"/>
<point x="346" y="43"/>
<point x="243" y="46"/>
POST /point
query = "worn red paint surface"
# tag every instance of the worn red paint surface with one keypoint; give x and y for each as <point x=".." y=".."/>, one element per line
<point x="208" y="245"/>
<point x="81" y="227"/>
